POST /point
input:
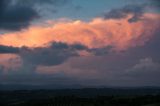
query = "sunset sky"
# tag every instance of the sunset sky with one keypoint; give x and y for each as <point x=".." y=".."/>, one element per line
<point x="80" y="42"/>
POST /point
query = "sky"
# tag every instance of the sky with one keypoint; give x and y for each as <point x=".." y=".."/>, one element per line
<point x="80" y="43"/>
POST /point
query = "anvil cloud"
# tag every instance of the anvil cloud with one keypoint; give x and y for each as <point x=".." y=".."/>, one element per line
<point x="106" y="46"/>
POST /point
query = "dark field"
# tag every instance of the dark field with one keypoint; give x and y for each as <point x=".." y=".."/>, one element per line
<point x="81" y="97"/>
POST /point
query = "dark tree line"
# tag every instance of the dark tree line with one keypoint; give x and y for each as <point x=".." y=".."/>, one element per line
<point x="77" y="98"/>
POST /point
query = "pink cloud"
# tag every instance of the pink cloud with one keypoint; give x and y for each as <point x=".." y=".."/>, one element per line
<point x="95" y="34"/>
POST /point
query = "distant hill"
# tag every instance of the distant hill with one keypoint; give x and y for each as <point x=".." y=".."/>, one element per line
<point x="80" y="91"/>
<point x="145" y="96"/>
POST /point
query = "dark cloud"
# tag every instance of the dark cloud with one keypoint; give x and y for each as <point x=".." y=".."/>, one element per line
<point x="34" y="2"/>
<point x="1" y="69"/>
<point x="8" y="49"/>
<point x="100" y="51"/>
<point x="55" y="54"/>
<point x="136" y="10"/>
<point x="18" y="14"/>
<point x="78" y="47"/>
<point x="61" y="45"/>
<point x="14" y="16"/>
<point x="155" y="4"/>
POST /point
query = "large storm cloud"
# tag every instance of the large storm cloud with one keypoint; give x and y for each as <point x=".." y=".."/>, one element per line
<point x="118" y="48"/>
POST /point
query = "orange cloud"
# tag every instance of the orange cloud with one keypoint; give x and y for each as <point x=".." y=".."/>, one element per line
<point x="97" y="33"/>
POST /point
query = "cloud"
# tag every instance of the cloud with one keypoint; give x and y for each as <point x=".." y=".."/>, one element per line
<point x="145" y="72"/>
<point x="145" y="67"/>
<point x="28" y="60"/>
<point x="1" y="70"/>
<point x="78" y="52"/>
<point x="15" y="16"/>
<point x="100" y="51"/>
<point x="55" y="54"/>
<point x="93" y="70"/>
<point x="45" y="8"/>
<point x="18" y="14"/>
<point x="8" y="49"/>
<point x="9" y="62"/>
<point x="137" y="66"/>
<point x="136" y="11"/>
<point x="155" y="4"/>
<point x="34" y="2"/>
<point x="97" y="33"/>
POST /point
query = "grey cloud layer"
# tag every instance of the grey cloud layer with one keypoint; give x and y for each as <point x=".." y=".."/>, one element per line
<point x="8" y="49"/>
<point x="55" y="54"/>
<point x="134" y="67"/>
